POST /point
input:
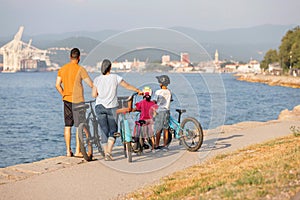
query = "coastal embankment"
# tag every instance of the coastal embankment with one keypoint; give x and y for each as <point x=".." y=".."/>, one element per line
<point x="65" y="178"/>
<point x="286" y="81"/>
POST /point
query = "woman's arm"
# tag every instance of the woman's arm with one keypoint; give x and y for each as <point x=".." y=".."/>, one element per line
<point x="130" y="87"/>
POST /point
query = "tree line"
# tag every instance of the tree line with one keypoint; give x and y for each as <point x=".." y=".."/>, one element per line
<point x="288" y="54"/>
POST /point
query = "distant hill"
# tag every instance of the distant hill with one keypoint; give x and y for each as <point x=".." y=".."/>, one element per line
<point x="239" y="44"/>
<point x="97" y="35"/>
<point x="85" y="43"/>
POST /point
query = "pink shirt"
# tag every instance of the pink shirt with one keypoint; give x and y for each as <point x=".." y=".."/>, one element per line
<point x="146" y="108"/>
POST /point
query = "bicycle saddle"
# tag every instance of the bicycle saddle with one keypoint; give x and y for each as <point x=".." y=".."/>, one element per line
<point x="142" y="122"/>
<point x="180" y="111"/>
<point x="81" y="107"/>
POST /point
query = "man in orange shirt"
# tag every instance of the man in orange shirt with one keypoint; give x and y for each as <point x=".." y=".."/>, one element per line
<point x="69" y="85"/>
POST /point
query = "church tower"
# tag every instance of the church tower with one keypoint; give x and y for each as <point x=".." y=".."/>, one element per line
<point x="216" y="57"/>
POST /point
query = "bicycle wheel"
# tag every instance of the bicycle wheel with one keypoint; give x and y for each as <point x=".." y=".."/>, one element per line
<point x="191" y="134"/>
<point x="129" y="151"/>
<point x="137" y="144"/>
<point x="97" y="139"/>
<point x="140" y="145"/>
<point x="170" y="133"/>
<point x="85" y="141"/>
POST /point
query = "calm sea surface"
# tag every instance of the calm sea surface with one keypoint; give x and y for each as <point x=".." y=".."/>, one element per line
<point x="31" y="115"/>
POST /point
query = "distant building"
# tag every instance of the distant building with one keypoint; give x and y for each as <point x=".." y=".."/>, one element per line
<point x="216" y="61"/>
<point x="252" y="67"/>
<point x="216" y="56"/>
<point x="275" y="69"/>
<point x="184" y="57"/>
<point x="229" y="68"/>
<point x="165" y="59"/>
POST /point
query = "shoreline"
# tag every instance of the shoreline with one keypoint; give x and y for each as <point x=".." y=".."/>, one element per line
<point x="15" y="173"/>
<point x="285" y="81"/>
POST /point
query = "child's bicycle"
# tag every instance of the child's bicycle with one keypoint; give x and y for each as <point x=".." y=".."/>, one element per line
<point x="189" y="132"/>
<point x="88" y="132"/>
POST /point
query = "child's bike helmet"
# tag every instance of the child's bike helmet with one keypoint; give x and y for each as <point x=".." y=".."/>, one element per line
<point x="147" y="91"/>
<point x="163" y="79"/>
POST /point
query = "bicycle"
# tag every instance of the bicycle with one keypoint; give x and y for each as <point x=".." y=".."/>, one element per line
<point x="189" y="132"/>
<point x="86" y="139"/>
<point x="125" y="107"/>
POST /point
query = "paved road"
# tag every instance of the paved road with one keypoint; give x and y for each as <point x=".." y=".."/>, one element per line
<point x="72" y="178"/>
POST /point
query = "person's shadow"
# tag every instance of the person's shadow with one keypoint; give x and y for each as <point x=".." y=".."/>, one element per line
<point x="215" y="144"/>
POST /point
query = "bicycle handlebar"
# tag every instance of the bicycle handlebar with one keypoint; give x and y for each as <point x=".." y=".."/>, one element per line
<point x="91" y="101"/>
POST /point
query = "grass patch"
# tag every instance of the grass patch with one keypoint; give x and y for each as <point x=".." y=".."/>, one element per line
<point x="265" y="171"/>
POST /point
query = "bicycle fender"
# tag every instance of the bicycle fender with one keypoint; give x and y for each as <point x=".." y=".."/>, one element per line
<point x="127" y="131"/>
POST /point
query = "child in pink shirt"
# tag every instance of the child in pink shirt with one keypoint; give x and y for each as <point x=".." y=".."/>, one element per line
<point x="147" y="108"/>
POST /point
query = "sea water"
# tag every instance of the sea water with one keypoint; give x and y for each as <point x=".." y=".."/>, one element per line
<point x="31" y="110"/>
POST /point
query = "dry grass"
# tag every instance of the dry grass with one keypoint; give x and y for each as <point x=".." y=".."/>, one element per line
<point x="265" y="171"/>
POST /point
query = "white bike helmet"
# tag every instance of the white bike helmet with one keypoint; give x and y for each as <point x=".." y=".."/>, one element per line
<point x="147" y="91"/>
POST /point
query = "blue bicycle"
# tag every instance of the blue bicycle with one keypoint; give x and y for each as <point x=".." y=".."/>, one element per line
<point x="125" y="107"/>
<point x="189" y="132"/>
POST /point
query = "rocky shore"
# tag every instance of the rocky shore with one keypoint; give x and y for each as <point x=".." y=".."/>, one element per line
<point x="286" y="81"/>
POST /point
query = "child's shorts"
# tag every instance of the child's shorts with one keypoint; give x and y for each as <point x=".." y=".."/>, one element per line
<point x="162" y="119"/>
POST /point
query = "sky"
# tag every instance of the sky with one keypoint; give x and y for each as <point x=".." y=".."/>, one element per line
<point x="59" y="16"/>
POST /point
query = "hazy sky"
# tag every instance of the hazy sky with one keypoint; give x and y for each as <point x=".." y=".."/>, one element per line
<point x="58" y="16"/>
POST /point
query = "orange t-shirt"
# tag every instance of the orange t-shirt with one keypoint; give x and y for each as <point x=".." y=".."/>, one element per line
<point x="72" y="75"/>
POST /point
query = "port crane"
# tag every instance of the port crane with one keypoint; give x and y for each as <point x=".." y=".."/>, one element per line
<point x="21" y="56"/>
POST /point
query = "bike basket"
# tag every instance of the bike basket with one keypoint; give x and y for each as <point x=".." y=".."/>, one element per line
<point x="125" y="102"/>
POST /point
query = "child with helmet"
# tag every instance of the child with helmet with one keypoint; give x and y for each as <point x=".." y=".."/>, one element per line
<point x="162" y="98"/>
<point x="147" y="109"/>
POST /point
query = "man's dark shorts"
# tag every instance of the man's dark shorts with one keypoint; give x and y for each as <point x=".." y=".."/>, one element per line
<point x="73" y="117"/>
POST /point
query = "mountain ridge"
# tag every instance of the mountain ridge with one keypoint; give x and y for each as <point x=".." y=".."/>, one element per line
<point x="240" y="44"/>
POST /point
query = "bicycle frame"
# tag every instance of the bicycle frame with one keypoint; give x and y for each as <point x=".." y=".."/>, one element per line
<point x="126" y="128"/>
<point x="125" y="106"/>
<point x="91" y="116"/>
<point x="172" y="124"/>
<point x="88" y="133"/>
